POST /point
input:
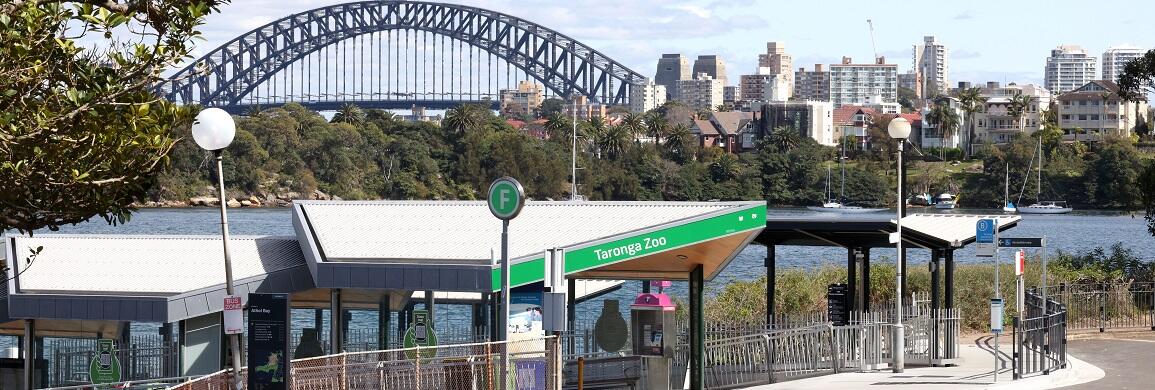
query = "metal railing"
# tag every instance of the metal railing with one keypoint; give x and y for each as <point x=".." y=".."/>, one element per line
<point x="71" y="367"/>
<point x="463" y="366"/>
<point x="1104" y="306"/>
<point x="1040" y="337"/>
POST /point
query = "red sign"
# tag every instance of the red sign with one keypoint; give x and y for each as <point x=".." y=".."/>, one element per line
<point x="1020" y="263"/>
<point x="234" y="316"/>
<point x="233" y="303"/>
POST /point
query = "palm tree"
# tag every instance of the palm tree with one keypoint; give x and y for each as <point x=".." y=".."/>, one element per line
<point x="972" y="101"/>
<point x="1106" y="95"/>
<point x="725" y="168"/>
<point x="656" y="125"/>
<point x="594" y="131"/>
<point x="349" y="113"/>
<point x="559" y="127"/>
<point x="464" y="118"/>
<point x="785" y="139"/>
<point x="634" y="125"/>
<point x="678" y="140"/>
<point x="946" y="119"/>
<point x="613" y="141"/>
<point x="378" y="115"/>
<point x="1019" y="105"/>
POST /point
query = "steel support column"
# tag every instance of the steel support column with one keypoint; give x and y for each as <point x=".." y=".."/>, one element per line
<point x="864" y="254"/>
<point x="697" y="330"/>
<point x="948" y="288"/>
<point x="771" y="277"/>
<point x="29" y="354"/>
<point x="336" y="322"/>
<point x="851" y="279"/>
<point x="383" y="316"/>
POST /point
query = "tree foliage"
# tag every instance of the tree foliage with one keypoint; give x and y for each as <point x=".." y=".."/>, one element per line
<point x="81" y="132"/>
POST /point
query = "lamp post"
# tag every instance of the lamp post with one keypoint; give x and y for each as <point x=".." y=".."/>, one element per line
<point x="899" y="129"/>
<point x="213" y="130"/>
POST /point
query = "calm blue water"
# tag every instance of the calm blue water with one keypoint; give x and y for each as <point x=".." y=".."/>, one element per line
<point x="1080" y="230"/>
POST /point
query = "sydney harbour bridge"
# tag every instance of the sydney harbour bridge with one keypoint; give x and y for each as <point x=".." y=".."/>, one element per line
<point x="394" y="55"/>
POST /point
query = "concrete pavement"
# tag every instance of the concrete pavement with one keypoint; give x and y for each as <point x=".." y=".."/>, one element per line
<point x="975" y="372"/>
<point x="1126" y="358"/>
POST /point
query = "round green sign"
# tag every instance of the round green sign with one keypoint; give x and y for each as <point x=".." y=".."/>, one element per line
<point x="420" y="334"/>
<point x="506" y="197"/>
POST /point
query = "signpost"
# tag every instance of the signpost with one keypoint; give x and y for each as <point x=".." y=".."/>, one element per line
<point x="997" y="329"/>
<point x="506" y="198"/>
<point x="1030" y="242"/>
<point x="269" y="347"/>
<point x="105" y="367"/>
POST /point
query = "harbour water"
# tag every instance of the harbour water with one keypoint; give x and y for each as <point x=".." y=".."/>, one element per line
<point x="1072" y="232"/>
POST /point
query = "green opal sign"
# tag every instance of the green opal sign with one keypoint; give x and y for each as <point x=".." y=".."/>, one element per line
<point x="105" y="367"/>
<point x="506" y="197"/>
<point x="642" y="243"/>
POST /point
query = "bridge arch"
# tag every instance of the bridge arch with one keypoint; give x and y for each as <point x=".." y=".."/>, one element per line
<point x="227" y="75"/>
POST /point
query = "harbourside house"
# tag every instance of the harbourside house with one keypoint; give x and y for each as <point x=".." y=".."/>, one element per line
<point x="854" y="122"/>
<point x="732" y="131"/>
<point x="998" y="121"/>
<point x="1096" y="110"/>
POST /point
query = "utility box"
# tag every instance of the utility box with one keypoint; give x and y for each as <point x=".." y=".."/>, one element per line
<point x="654" y="334"/>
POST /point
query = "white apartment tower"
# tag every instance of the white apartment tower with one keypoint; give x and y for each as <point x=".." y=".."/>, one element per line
<point x="932" y="66"/>
<point x="646" y="97"/>
<point x="856" y="83"/>
<point x="1116" y="58"/>
<point x="1069" y="67"/>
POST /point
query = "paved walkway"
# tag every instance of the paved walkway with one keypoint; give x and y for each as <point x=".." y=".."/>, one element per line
<point x="1126" y="357"/>
<point x="975" y="372"/>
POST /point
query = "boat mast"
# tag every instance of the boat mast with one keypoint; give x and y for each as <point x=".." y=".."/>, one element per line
<point x="1039" y="191"/>
<point x="842" y="167"/>
<point x="1007" y="187"/>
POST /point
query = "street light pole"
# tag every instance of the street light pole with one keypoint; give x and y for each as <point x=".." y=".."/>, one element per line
<point x="234" y="340"/>
<point x="214" y="130"/>
<point x="899" y="129"/>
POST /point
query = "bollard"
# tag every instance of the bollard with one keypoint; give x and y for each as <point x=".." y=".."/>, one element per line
<point x="581" y="373"/>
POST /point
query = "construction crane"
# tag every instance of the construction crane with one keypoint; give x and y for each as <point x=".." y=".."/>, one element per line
<point x="872" y="43"/>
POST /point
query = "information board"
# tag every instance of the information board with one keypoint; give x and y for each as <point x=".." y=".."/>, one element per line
<point x="269" y="342"/>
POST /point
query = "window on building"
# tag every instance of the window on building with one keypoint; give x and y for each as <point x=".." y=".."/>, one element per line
<point x="1082" y="102"/>
<point x="1094" y="117"/>
<point x="1082" y="117"/>
<point x="1066" y="117"/>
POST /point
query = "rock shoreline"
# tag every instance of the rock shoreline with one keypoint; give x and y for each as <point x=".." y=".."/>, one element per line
<point x="251" y="201"/>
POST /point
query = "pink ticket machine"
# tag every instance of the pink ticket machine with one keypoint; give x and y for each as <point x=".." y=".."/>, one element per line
<point x="654" y="333"/>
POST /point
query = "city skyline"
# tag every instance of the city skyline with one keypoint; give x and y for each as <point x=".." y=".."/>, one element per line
<point x="638" y="33"/>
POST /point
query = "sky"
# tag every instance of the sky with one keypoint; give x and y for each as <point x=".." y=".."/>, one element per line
<point x="1005" y="41"/>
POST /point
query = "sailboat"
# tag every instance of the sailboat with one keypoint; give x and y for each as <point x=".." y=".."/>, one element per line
<point x="1043" y="206"/>
<point x="832" y="205"/>
<point x="1008" y="206"/>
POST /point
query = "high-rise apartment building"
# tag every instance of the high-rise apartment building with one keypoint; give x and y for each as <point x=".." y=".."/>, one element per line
<point x="766" y="86"/>
<point x="777" y="62"/>
<point x="812" y="85"/>
<point x="671" y="69"/>
<point x="932" y="67"/>
<point x="702" y="93"/>
<point x="645" y="97"/>
<point x="1116" y="58"/>
<point x="852" y="83"/>
<point x="1069" y="67"/>
<point x="712" y="66"/>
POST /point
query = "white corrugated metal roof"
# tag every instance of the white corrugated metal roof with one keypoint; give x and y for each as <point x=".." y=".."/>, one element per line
<point x="163" y="265"/>
<point x="466" y="231"/>
<point x="583" y="288"/>
<point x="951" y="227"/>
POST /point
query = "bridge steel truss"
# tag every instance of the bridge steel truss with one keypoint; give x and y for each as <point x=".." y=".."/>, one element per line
<point x="232" y="73"/>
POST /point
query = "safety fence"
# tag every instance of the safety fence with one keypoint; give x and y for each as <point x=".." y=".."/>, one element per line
<point x="1040" y="336"/>
<point x="71" y="368"/>
<point x="532" y="363"/>
<point x="1104" y="306"/>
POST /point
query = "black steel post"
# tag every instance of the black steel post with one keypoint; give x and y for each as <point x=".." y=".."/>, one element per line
<point x="865" y="253"/>
<point x="697" y="330"/>
<point x="770" y="284"/>
<point x="948" y="290"/>
<point x="383" y="315"/>
<point x="902" y="207"/>
<point x="851" y="278"/>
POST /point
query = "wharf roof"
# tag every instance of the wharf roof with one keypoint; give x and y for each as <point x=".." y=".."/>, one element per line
<point x="930" y="231"/>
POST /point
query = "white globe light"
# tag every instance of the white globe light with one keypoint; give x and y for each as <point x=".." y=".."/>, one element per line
<point x="899" y="128"/>
<point x="213" y="129"/>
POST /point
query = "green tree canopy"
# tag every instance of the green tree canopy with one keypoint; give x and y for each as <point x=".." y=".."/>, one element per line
<point x="81" y="132"/>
